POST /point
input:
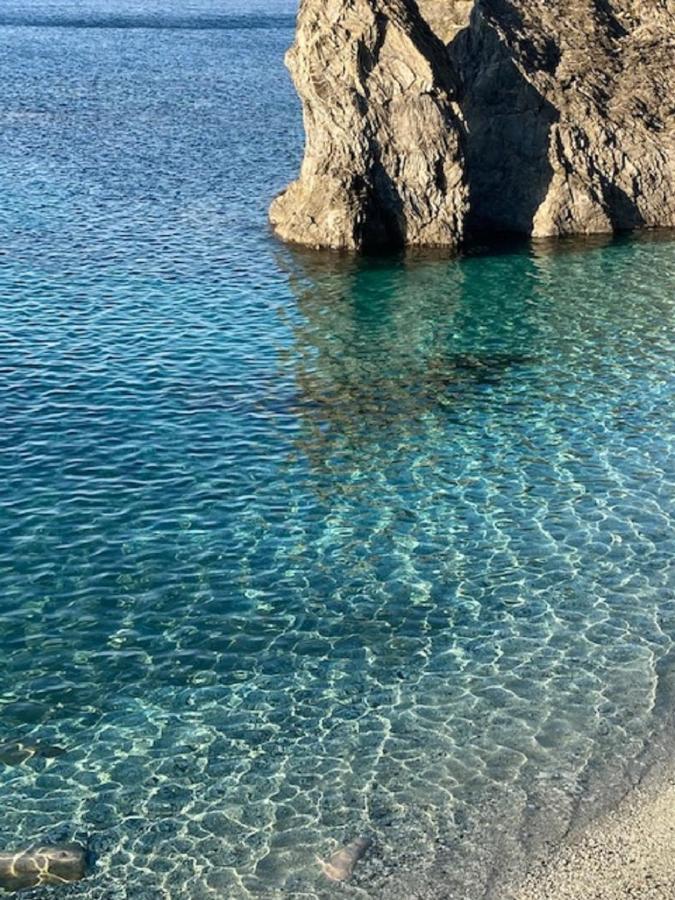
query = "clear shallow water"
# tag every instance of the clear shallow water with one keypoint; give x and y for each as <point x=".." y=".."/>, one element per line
<point x="295" y="548"/>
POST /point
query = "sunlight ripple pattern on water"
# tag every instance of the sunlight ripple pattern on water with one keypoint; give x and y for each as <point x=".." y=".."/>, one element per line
<point x="296" y="548"/>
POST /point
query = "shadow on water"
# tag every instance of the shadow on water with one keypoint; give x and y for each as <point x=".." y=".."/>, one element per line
<point x="386" y="349"/>
<point x="482" y="417"/>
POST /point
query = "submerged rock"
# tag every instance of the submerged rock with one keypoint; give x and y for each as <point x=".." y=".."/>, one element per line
<point x="59" y="864"/>
<point x="14" y="754"/>
<point x="526" y="116"/>
<point x="341" y="864"/>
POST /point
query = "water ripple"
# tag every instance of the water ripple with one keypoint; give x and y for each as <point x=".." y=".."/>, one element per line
<point x="296" y="547"/>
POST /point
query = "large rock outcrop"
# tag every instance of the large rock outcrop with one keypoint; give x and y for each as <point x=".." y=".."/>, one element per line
<point x="541" y="117"/>
<point x="383" y="165"/>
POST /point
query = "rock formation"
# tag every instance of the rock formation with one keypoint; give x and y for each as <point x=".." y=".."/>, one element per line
<point x="383" y="165"/>
<point x="540" y="117"/>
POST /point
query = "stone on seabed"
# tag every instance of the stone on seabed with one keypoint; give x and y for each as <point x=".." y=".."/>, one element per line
<point x="425" y="122"/>
<point x="18" y="752"/>
<point x="341" y="864"/>
<point x="59" y="864"/>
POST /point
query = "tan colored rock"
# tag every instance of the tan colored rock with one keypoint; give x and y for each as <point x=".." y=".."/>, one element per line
<point x="382" y="164"/>
<point x="341" y="864"/>
<point x="551" y="117"/>
<point x="570" y="113"/>
<point x="446" y="18"/>
<point x="59" y="864"/>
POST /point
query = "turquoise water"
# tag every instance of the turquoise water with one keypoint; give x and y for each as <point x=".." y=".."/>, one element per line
<point x="296" y="548"/>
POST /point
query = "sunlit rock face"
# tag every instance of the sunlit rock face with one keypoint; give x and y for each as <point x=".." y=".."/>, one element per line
<point x="383" y="165"/>
<point x="541" y="117"/>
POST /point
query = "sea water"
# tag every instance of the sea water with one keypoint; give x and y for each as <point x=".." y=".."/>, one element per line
<point x="296" y="548"/>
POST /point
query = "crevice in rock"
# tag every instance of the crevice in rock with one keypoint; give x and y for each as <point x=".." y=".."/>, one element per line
<point x="622" y="210"/>
<point x="383" y="227"/>
<point x="508" y="133"/>
<point x="606" y="12"/>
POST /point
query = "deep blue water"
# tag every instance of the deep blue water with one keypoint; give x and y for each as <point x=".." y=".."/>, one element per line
<point x="294" y="547"/>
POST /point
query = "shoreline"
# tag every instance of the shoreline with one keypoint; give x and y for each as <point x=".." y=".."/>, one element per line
<point x="627" y="853"/>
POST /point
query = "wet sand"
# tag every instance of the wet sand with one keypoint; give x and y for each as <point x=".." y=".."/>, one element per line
<point x="628" y="854"/>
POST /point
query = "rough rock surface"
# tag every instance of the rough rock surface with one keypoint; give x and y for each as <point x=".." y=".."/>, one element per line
<point x="541" y="117"/>
<point x="383" y="165"/>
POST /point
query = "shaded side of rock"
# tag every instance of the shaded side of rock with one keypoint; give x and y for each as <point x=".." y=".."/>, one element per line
<point x="570" y="115"/>
<point x="383" y="165"/>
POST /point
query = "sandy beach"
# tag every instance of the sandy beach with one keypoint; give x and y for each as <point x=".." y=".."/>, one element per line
<point x="628" y="853"/>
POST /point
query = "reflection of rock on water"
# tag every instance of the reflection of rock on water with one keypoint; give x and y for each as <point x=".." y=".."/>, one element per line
<point x="385" y="398"/>
<point x="385" y="347"/>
